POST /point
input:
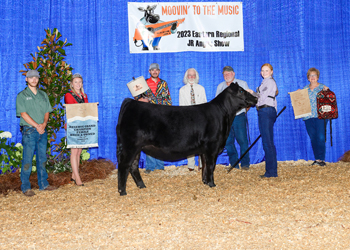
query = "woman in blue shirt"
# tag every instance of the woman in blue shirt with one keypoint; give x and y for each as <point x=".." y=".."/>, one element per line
<point x="315" y="127"/>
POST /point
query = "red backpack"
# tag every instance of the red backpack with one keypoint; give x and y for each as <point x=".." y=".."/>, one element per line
<point x="327" y="108"/>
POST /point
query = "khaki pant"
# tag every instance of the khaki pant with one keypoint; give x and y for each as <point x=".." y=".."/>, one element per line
<point x="191" y="162"/>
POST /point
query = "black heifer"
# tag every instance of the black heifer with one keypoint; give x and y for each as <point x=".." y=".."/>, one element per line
<point x="173" y="132"/>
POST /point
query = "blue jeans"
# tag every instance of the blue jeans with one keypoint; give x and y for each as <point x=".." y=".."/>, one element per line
<point x="153" y="163"/>
<point x="316" y="130"/>
<point x="32" y="142"/>
<point x="267" y="118"/>
<point x="238" y="131"/>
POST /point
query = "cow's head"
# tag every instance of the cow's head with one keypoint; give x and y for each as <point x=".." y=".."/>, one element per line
<point x="239" y="93"/>
<point x="149" y="14"/>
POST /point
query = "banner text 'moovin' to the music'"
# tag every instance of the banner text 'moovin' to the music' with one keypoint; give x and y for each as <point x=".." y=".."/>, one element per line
<point x="201" y="9"/>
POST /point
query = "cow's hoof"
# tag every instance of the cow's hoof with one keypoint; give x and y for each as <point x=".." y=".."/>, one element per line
<point x="211" y="184"/>
<point x="141" y="186"/>
<point x="122" y="193"/>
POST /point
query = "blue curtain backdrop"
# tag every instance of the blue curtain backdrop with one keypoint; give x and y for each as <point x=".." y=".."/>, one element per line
<point x="291" y="35"/>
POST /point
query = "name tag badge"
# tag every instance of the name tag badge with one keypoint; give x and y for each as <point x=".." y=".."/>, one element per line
<point x="326" y="108"/>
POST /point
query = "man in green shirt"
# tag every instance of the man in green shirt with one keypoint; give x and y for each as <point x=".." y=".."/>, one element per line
<point x="33" y="107"/>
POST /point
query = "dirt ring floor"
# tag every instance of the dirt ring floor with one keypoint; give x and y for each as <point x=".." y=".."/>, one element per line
<point x="306" y="207"/>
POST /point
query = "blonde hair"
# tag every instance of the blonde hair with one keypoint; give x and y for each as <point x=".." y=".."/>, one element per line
<point x="71" y="84"/>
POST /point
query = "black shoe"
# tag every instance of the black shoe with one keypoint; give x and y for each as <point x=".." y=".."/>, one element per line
<point x="245" y="168"/>
<point x="147" y="171"/>
<point x="262" y="176"/>
<point x="319" y="163"/>
<point x="322" y="163"/>
<point x="81" y="185"/>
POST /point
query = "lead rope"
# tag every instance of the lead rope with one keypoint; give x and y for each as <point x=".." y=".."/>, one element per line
<point x="325" y="130"/>
<point x="330" y="124"/>
<point x="247" y="124"/>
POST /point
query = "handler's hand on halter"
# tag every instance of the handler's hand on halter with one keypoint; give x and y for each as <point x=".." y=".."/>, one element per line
<point x="143" y="99"/>
<point x="250" y="91"/>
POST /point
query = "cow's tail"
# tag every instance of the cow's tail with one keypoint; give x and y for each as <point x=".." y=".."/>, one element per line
<point x="119" y="147"/>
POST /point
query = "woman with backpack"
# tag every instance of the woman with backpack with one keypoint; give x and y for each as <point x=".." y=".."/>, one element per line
<point x="315" y="127"/>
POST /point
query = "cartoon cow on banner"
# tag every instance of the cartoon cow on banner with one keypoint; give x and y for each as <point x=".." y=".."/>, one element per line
<point x="149" y="30"/>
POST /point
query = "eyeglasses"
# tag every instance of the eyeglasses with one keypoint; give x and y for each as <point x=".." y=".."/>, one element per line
<point x="312" y="75"/>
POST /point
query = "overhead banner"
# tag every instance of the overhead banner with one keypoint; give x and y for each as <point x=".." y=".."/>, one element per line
<point x="82" y="128"/>
<point x="185" y="26"/>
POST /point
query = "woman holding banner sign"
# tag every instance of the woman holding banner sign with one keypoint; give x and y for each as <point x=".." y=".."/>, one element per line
<point x="76" y="95"/>
<point x="315" y="127"/>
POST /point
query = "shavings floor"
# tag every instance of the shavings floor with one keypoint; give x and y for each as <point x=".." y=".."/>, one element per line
<point x="306" y="207"/>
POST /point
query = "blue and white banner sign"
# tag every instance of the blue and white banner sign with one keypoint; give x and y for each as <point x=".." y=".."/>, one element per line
<point x="82" y="126"/>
